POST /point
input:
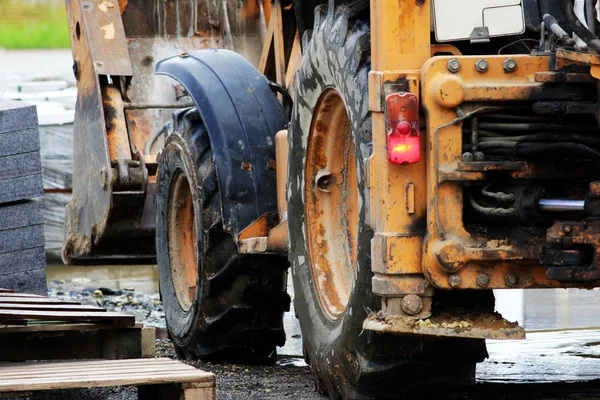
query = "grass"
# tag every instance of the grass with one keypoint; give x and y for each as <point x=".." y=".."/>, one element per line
<point x="27" y="25"/>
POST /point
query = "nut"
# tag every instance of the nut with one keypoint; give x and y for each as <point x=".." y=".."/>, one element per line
<point x="453" y="65"/>
<point x="479" y="156"/>
<point x="511" y="280"/>
<point x="481" y="65"/>
<point x="510" y="65"/>
<point x="412" y="304"/>
<point x="567" y="228"/>
<point x="467" y="157"/>
<point x="454" y="281"/>
<point x="483" y="280"/>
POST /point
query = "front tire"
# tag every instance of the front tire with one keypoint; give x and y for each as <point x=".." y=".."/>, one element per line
<point x="330" y="140"/>
<point x="219" y="305"/>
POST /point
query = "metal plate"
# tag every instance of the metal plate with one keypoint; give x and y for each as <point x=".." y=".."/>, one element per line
<point x="478" y="326"/>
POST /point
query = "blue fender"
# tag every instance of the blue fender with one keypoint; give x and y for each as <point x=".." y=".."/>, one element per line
<point x="242" y="116"/>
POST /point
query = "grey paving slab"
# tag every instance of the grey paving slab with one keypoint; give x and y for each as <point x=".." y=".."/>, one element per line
<point x="21" y="261"/>
<point x="17" y="142"/>
<point x="21" y="238"/>
<point x="16" y="215"/>
<point x="17" y="116"/>
<point x="19" y="165"/>
<point x="30" y="281"/>
<point x="21" y="188"/>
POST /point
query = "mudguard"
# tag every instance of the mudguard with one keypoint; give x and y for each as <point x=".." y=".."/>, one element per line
<point x="242" y="116"/>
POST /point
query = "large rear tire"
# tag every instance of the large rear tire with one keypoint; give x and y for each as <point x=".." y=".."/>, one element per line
<point x="330" y="139"/>
<point x="219" y="305"/>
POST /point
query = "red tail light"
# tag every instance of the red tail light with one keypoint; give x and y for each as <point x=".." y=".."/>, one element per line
<point x="402" y="127"/>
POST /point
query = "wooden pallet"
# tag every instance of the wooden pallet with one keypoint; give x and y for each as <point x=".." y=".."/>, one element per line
<point x="156" y="378"/>
<point x="41" y="328"/>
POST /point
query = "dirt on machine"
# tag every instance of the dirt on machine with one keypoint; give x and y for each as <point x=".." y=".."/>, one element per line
<point x="400" y="159"/>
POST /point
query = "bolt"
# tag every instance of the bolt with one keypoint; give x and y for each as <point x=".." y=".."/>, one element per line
<point x="510" y="65"/>
<point x="481" y="65"/>
<point x="454" y="281"/>
<point x="453" y="65"/>
<point x="323" y="180"/>
<point x="511" y="280"/>
<point x="567" y="228"/>
<point x="467" y="157"/>
<point x="483" y="280"/>
<point x="103" y="177"/>
<point x="479" y="156"/>
<point x="412" y="304"/>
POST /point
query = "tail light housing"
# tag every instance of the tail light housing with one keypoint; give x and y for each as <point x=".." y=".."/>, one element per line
<point x="402" y="128"/>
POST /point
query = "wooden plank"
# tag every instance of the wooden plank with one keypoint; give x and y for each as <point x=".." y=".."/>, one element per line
<point x="294" y="63"/>
<point x="105" y="370"/>
<point x="83" y="364"/>
<point x="40" y="300"/>
<point x="65" y="382"/>
<point x="278" y="44"/>
<point x="148" y="342"/>
<point x="21" y="295"/>
<point x="68" y="375"/>
<point x="60" y="327"/>
<point x="117" y="318"/>
<point x="50" y="307"/>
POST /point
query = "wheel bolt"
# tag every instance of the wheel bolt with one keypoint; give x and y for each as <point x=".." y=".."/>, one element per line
<point x="453" y="65"/>
<point x="454" y="281"/>
<point x="483" y="280"/>
<point x="412" y="304"/>
<point x="481" y="65"/>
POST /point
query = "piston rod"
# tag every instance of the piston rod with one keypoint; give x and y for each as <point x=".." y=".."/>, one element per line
<point x="561" y="205"/>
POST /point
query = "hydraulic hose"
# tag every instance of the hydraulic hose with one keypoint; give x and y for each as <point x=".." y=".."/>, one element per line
<point x="577" y="27"/>
<point x="551" y="23"/>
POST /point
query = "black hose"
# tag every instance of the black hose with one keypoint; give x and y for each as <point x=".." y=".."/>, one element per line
<point x="590" y="15"/>
<point x="493" y="211"/>
<point x="587" y="140"/>
<point x="288" y="102"/>
<point x="577" y="27"/>
<point x="530" y="149"/>
<point x="533" y="126"/>
<point x="563" y="36"/>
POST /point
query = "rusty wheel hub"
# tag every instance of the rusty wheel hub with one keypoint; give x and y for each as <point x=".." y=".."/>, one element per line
<point x="183" y="250"/>
<point x="331" y="193"/>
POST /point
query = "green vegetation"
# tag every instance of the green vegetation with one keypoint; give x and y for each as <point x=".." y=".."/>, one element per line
<point x="33" y="25"/>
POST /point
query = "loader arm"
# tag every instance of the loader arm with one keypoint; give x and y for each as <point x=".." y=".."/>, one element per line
<point x="122" y="107"/>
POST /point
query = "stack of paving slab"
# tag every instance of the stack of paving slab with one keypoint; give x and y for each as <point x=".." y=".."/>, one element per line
<point x="22" y="258"/>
